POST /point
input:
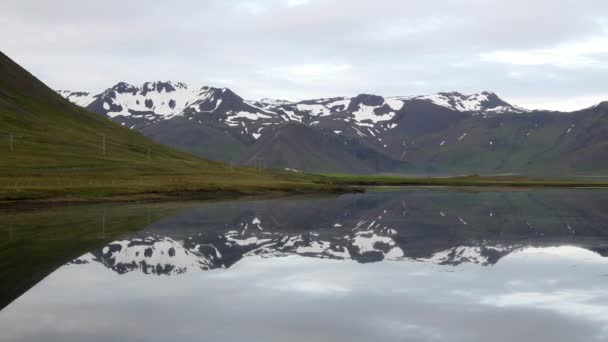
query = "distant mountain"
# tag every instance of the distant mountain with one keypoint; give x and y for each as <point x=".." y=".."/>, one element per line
<point x="444" y="133"/>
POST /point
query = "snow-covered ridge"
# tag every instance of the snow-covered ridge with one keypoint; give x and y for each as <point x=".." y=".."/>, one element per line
<point x="79" y="98"/>
<point x="364" y="115"/>
<point x="484" y="102"/>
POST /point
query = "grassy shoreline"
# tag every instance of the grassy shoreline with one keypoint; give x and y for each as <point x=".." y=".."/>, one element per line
<point x="464" y="181"/>
<point x="55" y="190"/>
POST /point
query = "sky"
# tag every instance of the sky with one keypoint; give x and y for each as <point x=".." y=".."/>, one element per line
<point x="538" y="54"/>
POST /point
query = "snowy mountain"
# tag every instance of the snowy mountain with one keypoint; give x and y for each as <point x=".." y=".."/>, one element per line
<point x="444" y="133"/>
<point x="483" y="103"/>
<point x="139" y="106"/>
<point x="153" y="254"/>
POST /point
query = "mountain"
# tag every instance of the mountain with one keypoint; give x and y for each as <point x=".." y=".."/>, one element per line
<point x="53" y="148"/>
<point x="438" y="134"/>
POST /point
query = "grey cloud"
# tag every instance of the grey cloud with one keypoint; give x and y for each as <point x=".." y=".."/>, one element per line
<point x="258" y="46"/>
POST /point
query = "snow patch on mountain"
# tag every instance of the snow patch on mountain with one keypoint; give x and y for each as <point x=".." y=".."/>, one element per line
<point x="478" y="102"/>
<point x="368" y="113"/>
<point x="79" y="98"/>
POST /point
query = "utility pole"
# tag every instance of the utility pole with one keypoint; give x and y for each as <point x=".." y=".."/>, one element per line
<point x="103" y="144"/>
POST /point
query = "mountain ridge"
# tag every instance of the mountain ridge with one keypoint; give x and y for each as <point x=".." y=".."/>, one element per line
<point x="421" y="134"/>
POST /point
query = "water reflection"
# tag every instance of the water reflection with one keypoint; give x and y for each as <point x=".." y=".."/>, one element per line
<point x="446" y="228"/>
<point x="414" y="265"/>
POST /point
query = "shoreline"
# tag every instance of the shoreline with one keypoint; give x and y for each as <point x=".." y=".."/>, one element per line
<point x="171" y="196"/>
<point x="332" y="185"/>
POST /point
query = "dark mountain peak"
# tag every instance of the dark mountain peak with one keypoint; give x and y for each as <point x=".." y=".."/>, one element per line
<point x="368" y="100"/>
<point x="225" y="94"/>
<point x="123" y="88"/>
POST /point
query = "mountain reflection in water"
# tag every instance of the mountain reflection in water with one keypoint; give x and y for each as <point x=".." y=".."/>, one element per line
<point x="416" y="265"/>
<point x="442" y="227"/>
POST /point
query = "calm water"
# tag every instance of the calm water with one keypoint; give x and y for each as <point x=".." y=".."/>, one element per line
<point x="396" y="265"/>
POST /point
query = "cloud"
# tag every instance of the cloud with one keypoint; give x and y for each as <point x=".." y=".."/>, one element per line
<point x="308" y="48"/>
<point x="306" y="72"/>
<point x="295" y="3"/>
<point x="570" y="103"/>
<point x="251" y="7"/>
<point x="568" y="55"/>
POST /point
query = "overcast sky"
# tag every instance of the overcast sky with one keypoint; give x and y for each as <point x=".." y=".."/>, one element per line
<point x="535" y="53"/>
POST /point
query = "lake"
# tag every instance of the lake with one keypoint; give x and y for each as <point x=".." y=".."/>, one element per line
<point x="394" y="264"/>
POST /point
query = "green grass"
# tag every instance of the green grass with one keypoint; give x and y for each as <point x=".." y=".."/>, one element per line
<point x="460" y="181"/>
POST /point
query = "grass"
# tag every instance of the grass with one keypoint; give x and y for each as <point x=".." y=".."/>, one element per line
<point x="461" y="181"/>
<point x="122" y="187"/>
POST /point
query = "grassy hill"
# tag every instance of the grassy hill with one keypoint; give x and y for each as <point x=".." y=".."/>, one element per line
<point x="50" y="148"/>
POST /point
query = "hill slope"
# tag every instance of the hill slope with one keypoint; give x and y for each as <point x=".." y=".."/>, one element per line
<point x="51" y="147"/>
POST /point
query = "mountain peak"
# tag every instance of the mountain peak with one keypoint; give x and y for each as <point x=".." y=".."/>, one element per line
<point x="368" y="100"/>
<point x="482" y="102"/>
<point x="124" y="87"/>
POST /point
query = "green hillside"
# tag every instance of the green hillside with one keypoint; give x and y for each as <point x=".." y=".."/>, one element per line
<point x="51" y="148"/>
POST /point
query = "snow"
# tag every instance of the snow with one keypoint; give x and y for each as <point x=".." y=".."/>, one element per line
<point x="394" y="253"/>
<point x="246" y="242"/>
<point x="462" y="136"/>
<point x="570" y="128"/>
<point x="292" y="241"/>
<point x="366" y="240"/>
<point x="343" y="102"/>
<point x="82" y="99"/>
<point x="273" y="102"/>
<point x="247" y="115"/>
<point x="315" y="247"/>
<point x="135" y="254"/>
<point x="467" y="103"/>
<point x="314" y="109"/>
<point x="366" y="112"/>
<point x="291" y="115"/>
<point x="256" y="136"/>
<point x="160" y="100"/>
<point x="442" y="143"/>
<point x="394" y="103"/>
<point x="459" y="254"/>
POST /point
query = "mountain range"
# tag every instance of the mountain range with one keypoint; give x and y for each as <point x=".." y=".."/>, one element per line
<point x="444" y="133"/>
